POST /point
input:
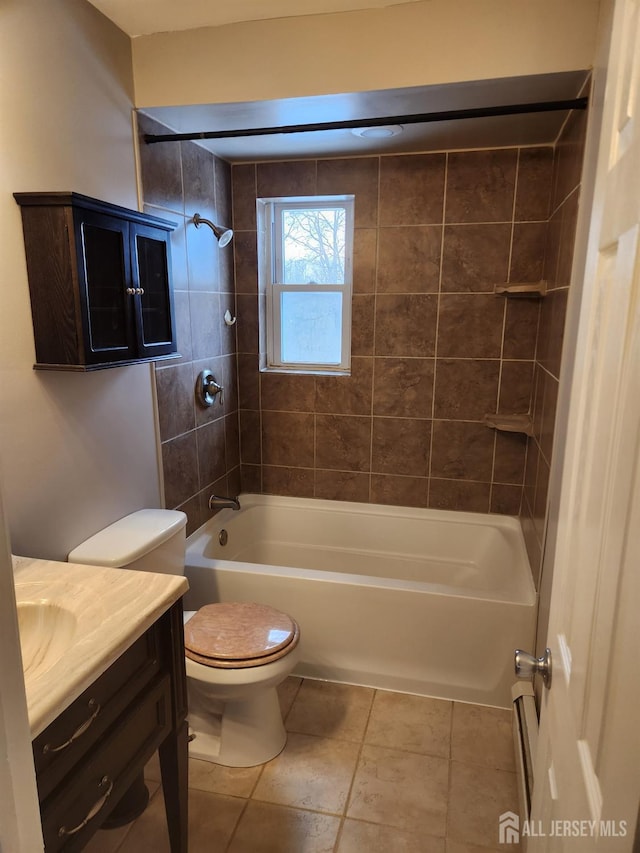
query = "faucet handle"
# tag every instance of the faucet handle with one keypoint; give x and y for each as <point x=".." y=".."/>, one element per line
<point x="208" y="389"/>
<point x="217" y="389"/>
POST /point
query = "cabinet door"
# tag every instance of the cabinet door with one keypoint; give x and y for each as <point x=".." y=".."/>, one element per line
<point x="151" y="260"/>
<point x="105" y="287"/>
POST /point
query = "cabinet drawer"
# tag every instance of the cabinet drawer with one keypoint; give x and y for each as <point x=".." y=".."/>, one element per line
<point x="77" y="728"/>
<point x="70" y="816"/>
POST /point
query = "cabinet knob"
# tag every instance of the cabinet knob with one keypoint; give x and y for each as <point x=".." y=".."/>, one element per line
<point x="131" y="291"/>
<point x="140" y="291"/>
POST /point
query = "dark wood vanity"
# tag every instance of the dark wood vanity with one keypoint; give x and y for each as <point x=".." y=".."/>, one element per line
<point x="90" y="759"/>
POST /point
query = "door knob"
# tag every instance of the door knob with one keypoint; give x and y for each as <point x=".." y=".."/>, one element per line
<point x="528" y="666"/>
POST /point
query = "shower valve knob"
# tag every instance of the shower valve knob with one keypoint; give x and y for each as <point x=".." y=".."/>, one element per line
<point x="208" y="389"/>
<point x="527" y="666"/>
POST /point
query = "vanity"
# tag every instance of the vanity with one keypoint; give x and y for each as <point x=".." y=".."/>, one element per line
<point x="103" y="657"/>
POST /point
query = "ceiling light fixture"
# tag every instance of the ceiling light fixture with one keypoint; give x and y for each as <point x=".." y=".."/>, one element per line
<point x="383" y="132"/>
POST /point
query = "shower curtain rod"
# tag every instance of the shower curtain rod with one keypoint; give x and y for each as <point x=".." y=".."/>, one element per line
<point x="444" y="115"/>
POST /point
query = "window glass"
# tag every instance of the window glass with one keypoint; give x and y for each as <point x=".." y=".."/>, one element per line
<point x="313" y="246"/>
<point x="311" y="327"/>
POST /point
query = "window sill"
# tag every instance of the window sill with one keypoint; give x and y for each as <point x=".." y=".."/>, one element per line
<point x="305" y="371"/>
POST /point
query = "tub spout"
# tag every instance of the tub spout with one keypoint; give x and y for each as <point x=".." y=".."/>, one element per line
<point x="223" y="502"/>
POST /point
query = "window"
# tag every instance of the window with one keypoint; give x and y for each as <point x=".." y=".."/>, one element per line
<point x="305" y="251"/>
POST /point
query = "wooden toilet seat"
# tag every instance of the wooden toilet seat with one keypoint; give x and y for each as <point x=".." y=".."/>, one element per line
<point x="236" y="635"/>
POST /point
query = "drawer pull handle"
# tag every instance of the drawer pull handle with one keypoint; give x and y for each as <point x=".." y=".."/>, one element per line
<point x="79" y="731"/>
<point x="93" y="811"/>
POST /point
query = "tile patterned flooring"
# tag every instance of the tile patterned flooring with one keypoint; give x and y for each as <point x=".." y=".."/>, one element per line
<point x="363" y="771"/>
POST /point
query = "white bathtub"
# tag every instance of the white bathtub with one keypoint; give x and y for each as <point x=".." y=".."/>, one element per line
<point x="422" y="601"/>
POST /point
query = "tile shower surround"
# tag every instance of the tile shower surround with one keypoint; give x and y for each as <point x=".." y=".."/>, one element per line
<point x="200" y="446"/>
<point x="404" y="428"/>
<point x="433" y="348"/>
<point x="569" y="152"/>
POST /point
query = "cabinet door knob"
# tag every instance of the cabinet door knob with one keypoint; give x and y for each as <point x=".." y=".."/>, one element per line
<point x="131" y="291"/>
<point x="140" y="291"/>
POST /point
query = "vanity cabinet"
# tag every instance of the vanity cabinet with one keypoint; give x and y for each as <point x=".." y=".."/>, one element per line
<point x="90" y="759"/>
<point x="99" y="282"/>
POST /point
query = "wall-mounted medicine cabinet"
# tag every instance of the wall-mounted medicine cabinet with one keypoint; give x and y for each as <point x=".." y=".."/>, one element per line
<point x="99" y="281"/>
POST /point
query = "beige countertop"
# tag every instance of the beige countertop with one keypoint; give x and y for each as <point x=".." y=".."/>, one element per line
<point x="106" y="611"/>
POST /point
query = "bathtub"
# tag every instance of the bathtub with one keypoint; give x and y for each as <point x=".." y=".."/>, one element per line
<point x="421" y="601"/>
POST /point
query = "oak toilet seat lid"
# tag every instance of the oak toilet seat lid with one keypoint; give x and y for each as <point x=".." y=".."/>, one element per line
<point x="239" y="634"/>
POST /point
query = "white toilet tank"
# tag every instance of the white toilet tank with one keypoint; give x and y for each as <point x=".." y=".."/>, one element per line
<point x="150" y="540"/>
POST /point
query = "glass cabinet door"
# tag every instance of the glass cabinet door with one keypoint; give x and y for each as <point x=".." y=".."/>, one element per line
<point x="106" y="288"/>
<point x="151" y="259"/>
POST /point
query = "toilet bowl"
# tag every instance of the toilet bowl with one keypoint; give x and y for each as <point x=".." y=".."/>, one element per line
<point x="236" y="654"/>
<point x="234" y="711"/>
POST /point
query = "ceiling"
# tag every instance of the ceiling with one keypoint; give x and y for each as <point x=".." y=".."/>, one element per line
<point x="143" y="17"/>
<point x="491" y="132"/>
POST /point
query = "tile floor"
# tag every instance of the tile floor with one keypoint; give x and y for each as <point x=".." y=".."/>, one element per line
<point x="363" y="771"/>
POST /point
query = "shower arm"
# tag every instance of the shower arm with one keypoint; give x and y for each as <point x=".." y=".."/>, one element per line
<point x="223" y="235"/>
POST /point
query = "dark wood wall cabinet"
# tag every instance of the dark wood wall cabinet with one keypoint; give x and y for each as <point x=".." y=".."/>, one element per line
<point x="99" y="281"/>
<point x="89" y="762"/>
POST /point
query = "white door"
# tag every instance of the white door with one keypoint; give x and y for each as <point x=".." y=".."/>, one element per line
<point x="588" y="758"/>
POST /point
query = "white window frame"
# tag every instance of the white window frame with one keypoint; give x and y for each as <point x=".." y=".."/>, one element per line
<point x="270" y="275"/>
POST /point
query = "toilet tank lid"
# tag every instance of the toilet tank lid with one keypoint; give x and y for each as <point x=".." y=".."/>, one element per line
<point x="129" y="538"/>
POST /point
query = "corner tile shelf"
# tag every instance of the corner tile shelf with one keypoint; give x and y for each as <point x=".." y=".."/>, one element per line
<point x="535" y="290"/>
<point x="510" y="423"/>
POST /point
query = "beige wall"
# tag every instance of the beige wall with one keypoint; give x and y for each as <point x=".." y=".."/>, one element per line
<point x="77" y="451"/>
<point x="431" y="42"/>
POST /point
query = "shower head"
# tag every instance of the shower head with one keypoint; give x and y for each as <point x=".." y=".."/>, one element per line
<point x="223" y="235"/>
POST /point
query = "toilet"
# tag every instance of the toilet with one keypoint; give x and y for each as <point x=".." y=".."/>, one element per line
<point x="236" y="654"/>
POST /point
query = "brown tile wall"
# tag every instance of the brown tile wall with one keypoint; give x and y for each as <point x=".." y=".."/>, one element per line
<point x="567" y="168"/>
<point x="200" y="446"/>
<point x="433" y="348"/>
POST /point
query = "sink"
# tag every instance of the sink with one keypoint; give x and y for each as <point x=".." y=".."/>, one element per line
<point x="47" y="630"/>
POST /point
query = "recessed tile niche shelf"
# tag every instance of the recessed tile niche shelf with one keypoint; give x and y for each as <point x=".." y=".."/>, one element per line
<point x="532" y="290"/>
<point x="99" y="282"/>
<point x="510" y="423"/>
